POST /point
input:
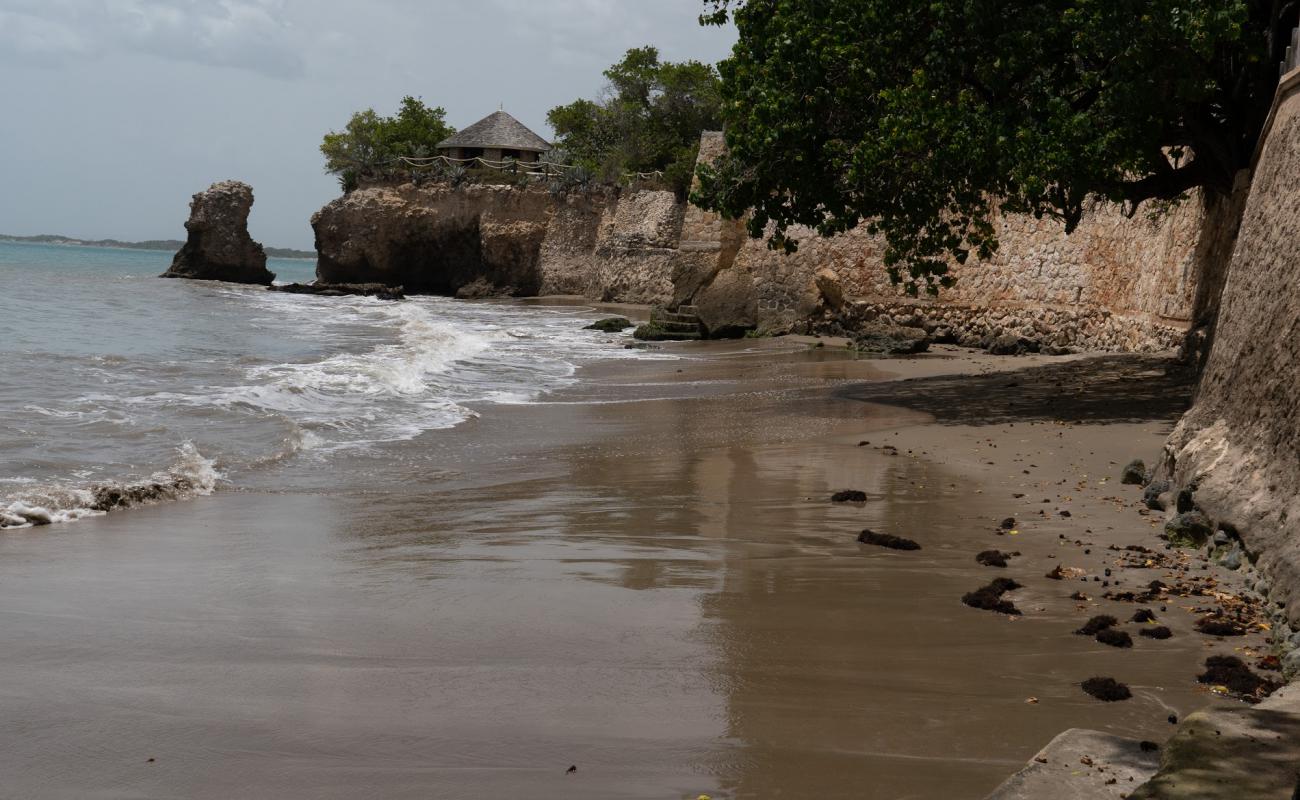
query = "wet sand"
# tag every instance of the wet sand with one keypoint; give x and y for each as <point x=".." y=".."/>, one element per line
<point x="641" y="577"/>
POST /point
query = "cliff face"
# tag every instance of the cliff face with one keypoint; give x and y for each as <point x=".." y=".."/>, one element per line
<point x="1239" y="445"/>
<point x="477" y="241"/>
<point x="218" y="247"/>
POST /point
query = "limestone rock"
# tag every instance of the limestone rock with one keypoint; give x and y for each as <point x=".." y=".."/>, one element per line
<point x="610" y="325"/>
<point x="890" y="339"/>
<point x="728" y="306"/>
<point x="435" y="240"/>
<point x="217" y="245"/>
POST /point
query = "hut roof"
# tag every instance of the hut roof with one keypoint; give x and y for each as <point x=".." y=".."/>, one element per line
<point x="497" y="129"/>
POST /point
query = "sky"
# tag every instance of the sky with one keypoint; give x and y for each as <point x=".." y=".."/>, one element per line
<point x="114" y="112"/>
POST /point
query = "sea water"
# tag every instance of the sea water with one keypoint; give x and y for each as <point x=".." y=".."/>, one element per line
<point x="115" y="378"/>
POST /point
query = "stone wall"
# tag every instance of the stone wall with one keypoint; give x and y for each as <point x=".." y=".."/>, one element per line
<point x="1239" y="445"/>
<point x="1115" y="283"/>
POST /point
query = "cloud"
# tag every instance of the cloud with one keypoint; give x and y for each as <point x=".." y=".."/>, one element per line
<point x="242" y="34"/>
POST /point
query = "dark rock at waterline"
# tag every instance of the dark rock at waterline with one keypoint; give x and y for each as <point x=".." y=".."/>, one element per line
<point x="1114" y="637"/>
<point x="217" y="245"/>
<point x="849" y="496"/>
<point x="1134" y="472"/>
<point x="1151" y="495"/>
<point x="1233" y="674"/>
<point x="989" y="598"/>
<point x="610" y="325"/>
<point x="1216" y="625"/>
<point x="994" y="558"/>
<point x="1097" y="624"/>
<point x="1107" y="690"/>
<point x="380" y="291"/>
<point x="890" y="339"/>
<point x="1144" y="615"/>
<point x="887" y="540"/>
<point x="1190" y="529"/>
<point x="1158" y="632"/>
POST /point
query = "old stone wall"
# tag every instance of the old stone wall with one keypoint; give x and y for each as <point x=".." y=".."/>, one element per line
<point x="1115" y="283"/>
<point x="1239" y="444"/>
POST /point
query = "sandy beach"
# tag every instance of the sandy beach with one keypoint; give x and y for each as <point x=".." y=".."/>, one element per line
<point x="642" y="577"/>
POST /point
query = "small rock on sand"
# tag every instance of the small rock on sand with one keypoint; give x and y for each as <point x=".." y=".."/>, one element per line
<point x="849" y="496"/>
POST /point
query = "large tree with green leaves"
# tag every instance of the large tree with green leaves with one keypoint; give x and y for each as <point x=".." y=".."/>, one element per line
<point x="922" y="119"/>
<point x="649" y="118"/>
<point x="370" y="143"/>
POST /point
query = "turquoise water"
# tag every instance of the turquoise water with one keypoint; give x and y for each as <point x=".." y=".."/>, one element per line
<point x="114" y="376"/>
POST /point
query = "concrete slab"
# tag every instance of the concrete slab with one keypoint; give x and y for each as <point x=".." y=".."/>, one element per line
<point x="1081" y="764"/>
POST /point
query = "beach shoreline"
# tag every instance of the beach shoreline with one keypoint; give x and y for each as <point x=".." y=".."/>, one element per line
<point x="641" y="575"/>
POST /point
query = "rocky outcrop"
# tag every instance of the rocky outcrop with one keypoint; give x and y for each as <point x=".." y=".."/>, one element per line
<point x="1239" y="444"/>
<point x="485" y="241"/>
<point x="435" y="240"/>
<point x="218" y="247"/>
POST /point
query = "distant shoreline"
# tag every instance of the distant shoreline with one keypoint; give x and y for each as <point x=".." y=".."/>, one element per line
<point x="150" y="244"/>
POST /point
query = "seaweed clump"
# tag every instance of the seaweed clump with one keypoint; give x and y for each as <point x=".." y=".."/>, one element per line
<point x="1107" y="690"/>
<point x="889" y="540"/>
<point x="989" y="598"/>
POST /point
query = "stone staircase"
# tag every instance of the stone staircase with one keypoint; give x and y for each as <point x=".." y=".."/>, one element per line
<point x="682" y="324"/>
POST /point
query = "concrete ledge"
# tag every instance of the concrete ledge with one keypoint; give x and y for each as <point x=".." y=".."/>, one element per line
<point x="1082" y="765"/>
<point x="1232" y="753"/>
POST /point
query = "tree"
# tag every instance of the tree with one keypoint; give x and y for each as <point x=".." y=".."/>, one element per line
<point x="369" y="142"/>
<point x="924" y="119"/>
<point x="649" y="118"/>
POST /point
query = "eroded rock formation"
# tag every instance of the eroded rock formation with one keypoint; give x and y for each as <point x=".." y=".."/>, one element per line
<point x="483" y="241"/>
<point x="1239" y="445"/>
<point x="217" y="246"/>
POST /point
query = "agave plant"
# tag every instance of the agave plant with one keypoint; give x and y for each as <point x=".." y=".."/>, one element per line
<point x="457" y="175"/>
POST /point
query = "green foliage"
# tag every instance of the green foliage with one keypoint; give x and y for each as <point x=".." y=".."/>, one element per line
<point x="926" y="119"/>
<point x="369" y="143"/>
<point x="649" y="119"/>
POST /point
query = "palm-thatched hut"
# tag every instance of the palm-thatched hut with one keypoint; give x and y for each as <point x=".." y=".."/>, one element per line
<point x="496" y="137"/>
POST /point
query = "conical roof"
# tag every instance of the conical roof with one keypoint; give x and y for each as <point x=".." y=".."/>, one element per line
<point x="497" y="129"/>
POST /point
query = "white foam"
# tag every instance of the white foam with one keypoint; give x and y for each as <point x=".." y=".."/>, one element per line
<point x="191" y="475"/>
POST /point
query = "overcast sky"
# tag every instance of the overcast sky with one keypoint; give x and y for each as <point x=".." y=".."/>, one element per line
<point x="114" y="112"/>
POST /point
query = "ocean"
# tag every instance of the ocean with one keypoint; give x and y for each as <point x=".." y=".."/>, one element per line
<point x="118" y="382"/>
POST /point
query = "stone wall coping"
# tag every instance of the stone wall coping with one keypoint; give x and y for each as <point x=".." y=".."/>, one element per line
<point x="1285" y="87"/>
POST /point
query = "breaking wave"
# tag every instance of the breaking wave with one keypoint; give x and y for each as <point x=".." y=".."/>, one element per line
<point x="192" y="475"/>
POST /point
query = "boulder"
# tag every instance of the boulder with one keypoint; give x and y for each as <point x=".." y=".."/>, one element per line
<point x="875" y="337"/>
<point x="1152" y="495"/>
<point x="610" y="325"/>
<point x="1134" y="473"/>
<point x="728" y="306"/>
<point x="829" y="288"/>
<point x="217" y="245"/>
<point x="1191" y="529"/>
<point x="1010" y="345"/>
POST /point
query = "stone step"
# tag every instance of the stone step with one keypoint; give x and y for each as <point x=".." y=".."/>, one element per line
<point x="691" y="310"/>
<point x="668" y="316"/>
<point x="678" y="327"/>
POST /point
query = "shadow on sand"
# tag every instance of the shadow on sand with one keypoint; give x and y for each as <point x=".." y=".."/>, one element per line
<point x="1105" y="389"/>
